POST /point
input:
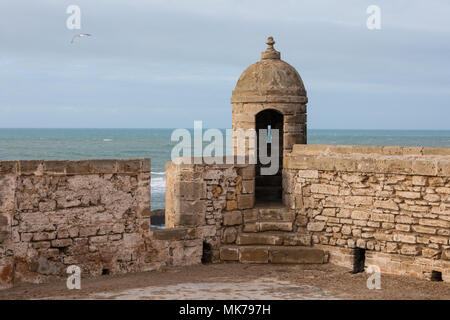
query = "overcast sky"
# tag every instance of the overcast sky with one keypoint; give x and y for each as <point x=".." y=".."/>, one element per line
<point x="167" y="63"/>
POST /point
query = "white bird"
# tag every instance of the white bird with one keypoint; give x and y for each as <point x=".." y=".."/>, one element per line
<point x="80" y="35"/>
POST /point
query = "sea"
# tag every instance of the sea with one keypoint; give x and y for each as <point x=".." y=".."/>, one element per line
<point x="69" y="144"/>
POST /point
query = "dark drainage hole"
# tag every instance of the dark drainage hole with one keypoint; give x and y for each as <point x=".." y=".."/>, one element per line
<point x="105" y="272"/>
<point x="207" y="256"/>
<point x="436" y="276"/>
<point x="359" y="260"/>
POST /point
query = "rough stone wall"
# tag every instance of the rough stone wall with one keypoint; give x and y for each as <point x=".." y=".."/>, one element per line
<point x="91" y="213"/>
<point x="392" y="201"/>
<point x="211" y="198"/>
<point x="7" y="191"/>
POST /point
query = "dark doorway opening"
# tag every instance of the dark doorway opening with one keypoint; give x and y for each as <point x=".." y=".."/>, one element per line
<point x="436" y="276"/>
<point x="359" y="260"/>
<point x="207" y="256"/>
<point x="268" y="188"/>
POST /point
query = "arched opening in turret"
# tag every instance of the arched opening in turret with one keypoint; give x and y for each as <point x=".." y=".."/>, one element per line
<point x="268" y="179"/>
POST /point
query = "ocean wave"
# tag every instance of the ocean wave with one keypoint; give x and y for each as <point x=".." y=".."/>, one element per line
<point x="107" y="140"/>
<point x="158" y="173"/>
<point x="158" y="185"/>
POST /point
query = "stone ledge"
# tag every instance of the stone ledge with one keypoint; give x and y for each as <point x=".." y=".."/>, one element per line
<point x="273" y="254"/>
<point x="267" y="99"/>
<point x="9" y="166"/>
<point x="72" y="167"/>
<point x="325" y="149"/>
<point x="217" y="162"/>
<point x="318" y="157"/>
<point x="170" y="234"/>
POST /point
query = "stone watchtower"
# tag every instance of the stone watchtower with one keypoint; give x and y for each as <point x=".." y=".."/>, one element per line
<point x="270" y="95"/>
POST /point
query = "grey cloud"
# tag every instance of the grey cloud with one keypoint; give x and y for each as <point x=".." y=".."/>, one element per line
<point x="164" y="55"/>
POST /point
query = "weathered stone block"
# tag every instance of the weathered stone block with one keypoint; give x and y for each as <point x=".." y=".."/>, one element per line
<point x="55" y="166"/>
<point x="27" y="167"/>
<point x="410" y="250"/>
<point x="445" y="254"/>
<point x="270" y="214"/>
<point x="359" y="200"/>
<point x="253" y="255"/>
<point x="431" y="253"/>
<point x="231" y="205"/>
<point x="346" y="230"/>
<point x="432" y="198"/>
<point x="205" y="231"/>
<point x="308" y="174"/>
<point x="360" y="215"/>
<point x="294" y="255"/>
<point x="187" y="219"/>
<point x="443" y="190"/>
<point x="404" y="219"/>
<point x="405" y="238"/>
<point x="248" y="186"/>
<point x="439" y="240"/>
<point x="275" y="226"/>
<point x="98" y="239"/>
<point x="88" y="231"/>
<point x="251" y="227"/>
<point x="419" y="181"/>
<point x="40" y="236"/>
<point x="403" y="227"/>
<point x="329" y="212"/>
<point x="78" y="167"/>
<point x="49" y="205"/>
<point x="232" y="218"/>
<point x="250" y="215"/>
<point x="245" y="201"/>
<point x="259" y="239"/>
<point x="128" y="165"/>
<point x="387" y="204"/>
<point x="8" y="167"/>
<point x="191" y="190"/>
<point x="103" y="166"/>
<point x="145" y="165"/>
<point x="386" y="217"/>
<point x="316" y="226"/>
<point x="229" y="254"/>
<point x="325" y="189"/>
<point x="195" y="207"/>
<point x="435" y="223"/>
<point x="229" y="235"/>
<point x="408" y="195"/>
<point x="170" y="234"/>
<point x="422" y="229"/>
<point x="60" y="243"/>
<point x="132" y="240"/>
<point x="247" y="172"/>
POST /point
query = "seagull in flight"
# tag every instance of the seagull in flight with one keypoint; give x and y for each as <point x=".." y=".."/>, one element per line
<point x="80" y="35"/>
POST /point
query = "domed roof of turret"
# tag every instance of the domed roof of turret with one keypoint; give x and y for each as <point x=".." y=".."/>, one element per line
<point x="268" y="79"/>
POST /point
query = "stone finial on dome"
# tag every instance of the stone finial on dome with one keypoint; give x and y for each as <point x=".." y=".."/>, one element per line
<point x="270" y="52"/>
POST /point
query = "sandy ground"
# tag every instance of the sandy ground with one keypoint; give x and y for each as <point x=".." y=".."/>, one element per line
<point x="237" y="281"/>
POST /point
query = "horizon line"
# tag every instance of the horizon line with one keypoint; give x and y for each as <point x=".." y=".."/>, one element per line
<point x="173" y="128"/>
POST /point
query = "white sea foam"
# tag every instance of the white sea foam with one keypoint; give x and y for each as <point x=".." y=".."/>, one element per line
<point x="107" y="140"/>
<point x="158" y="185"/>
<point x="158" y="173"/>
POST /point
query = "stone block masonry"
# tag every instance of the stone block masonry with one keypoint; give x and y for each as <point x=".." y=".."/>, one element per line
<point x="91" y="213"/>
<point x="212" y="198"/>
<point x="219" y="201"/>
<point x="392" y="201"/>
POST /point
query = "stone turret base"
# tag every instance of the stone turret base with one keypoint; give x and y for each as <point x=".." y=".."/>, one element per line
<point x="269" y="237"/>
